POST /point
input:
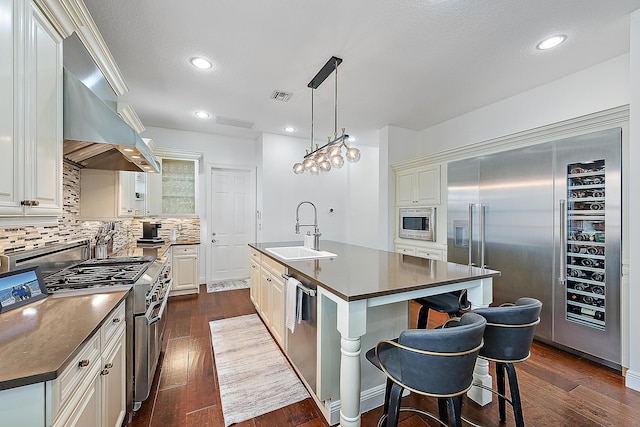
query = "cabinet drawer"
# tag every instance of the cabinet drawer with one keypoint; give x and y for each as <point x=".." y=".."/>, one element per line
<point x="255" y="255"/>
<point x="185" y="250"/>
<point x="273" y="266"/>
<point x="84" y="365"/>
<point x="111" y="324"/>
<point x="429" y="253"/>
<point x="407" y="250"/>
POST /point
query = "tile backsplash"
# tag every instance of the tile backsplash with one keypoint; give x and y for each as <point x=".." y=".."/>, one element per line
<point x="70" y="227"/>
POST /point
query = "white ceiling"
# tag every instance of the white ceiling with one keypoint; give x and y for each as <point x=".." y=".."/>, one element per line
<point x="411" y="64"/>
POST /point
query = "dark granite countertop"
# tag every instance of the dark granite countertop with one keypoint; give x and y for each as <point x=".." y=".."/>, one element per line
<point x="360" y="273"/>
<point x="38" y="340"/>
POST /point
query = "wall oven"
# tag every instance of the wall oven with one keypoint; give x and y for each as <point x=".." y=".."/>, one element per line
<point x="417" y="223"/>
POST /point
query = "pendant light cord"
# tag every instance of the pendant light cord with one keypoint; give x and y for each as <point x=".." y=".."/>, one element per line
<point x="335" y="109"/>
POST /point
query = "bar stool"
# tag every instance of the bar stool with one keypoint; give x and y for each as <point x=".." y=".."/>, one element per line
<point x="433" y="362"/>
<point x="507" y="340"/>
<point x="453" y="303"/>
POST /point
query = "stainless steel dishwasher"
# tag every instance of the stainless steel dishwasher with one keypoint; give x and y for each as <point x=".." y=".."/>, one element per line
<point x="302" y="344"/>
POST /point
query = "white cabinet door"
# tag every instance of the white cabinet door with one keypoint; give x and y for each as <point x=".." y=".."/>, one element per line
<point x="30" y="112"/>
<point x="255" y="282"/>
<point x="43" y="151"/>
<point x="113" y="375"/>
<point x="11" y="175"/>
<point x="277" y="308"/>
<point x="418" y="186"/>
<point x="126" y="183"/>
<point x="87" y="413"/>
<point x="264" y="307"/>
<point x="185" y="268"/>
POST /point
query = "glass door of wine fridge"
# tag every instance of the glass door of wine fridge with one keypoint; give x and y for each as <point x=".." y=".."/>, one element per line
<point x="588" y="195"/>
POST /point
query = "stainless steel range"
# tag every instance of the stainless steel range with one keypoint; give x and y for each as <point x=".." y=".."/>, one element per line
<point x="68" y="271"/>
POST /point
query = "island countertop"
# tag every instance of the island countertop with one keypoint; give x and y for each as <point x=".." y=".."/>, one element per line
<point x="358" y="272"/>
<point x="39" y="339"/>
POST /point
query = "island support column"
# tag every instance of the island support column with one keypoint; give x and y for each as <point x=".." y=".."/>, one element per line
<point x="352" y="324"/>
<point x="481" y="296"/>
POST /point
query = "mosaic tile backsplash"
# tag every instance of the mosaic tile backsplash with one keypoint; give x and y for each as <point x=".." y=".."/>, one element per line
<point x="70" y="227"/>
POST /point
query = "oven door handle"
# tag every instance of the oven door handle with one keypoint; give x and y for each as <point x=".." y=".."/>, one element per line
<point x="155" y="319"/>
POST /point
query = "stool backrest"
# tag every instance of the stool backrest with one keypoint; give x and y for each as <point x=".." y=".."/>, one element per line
<point x="436" y="362"/>
<point x="510" y="329"/>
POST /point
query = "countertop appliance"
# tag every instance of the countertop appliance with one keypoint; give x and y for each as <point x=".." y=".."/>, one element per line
<point x="150" y="232"/>
<point x="549" y="218"/>
<point x="417" y="223"/>
<point x="68" y="271"/>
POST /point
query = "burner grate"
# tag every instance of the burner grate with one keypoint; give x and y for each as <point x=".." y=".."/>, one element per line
<point x="98" y="273"/>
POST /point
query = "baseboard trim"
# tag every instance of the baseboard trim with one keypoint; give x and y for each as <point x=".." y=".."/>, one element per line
<point x="632" y="379"/>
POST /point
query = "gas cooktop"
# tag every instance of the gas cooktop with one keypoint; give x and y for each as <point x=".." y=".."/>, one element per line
<point x="99" y="273"/>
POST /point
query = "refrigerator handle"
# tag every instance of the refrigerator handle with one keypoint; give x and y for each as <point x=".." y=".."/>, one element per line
<point x="563" y="243"/>
<point x="483" y="212"/>
<point x="470" y="233"/>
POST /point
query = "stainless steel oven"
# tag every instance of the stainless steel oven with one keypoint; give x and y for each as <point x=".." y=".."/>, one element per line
<point x="417" y="223"/>
<point x="150" y="322"/>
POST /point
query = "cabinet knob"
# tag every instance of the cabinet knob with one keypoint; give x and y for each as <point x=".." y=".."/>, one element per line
<point x="83" y="363"/>
<point x="116" y="320"/>
<point x="108" y="366"/>
<point x="104" y="372"/>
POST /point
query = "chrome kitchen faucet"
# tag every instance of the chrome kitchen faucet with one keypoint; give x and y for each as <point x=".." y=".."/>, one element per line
<point x="316" y="231"/>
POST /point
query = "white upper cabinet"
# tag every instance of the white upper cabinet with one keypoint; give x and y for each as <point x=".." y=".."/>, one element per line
<point x="30" y="114"/>
<point x="419" y="186"/>
<point x="174" y="192"/>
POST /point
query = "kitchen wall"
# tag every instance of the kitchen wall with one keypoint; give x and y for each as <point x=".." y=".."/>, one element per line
<point x="354" y="192"/>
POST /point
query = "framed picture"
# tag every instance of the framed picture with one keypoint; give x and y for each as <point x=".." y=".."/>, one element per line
<point x="21" y="287"/>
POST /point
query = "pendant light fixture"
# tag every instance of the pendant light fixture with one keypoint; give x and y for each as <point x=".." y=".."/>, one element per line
<point x="322" y="159"/>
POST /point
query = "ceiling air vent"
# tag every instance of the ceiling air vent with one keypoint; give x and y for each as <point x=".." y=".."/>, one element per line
<point x="280" y="95"/>
<point x="227" y="121"/>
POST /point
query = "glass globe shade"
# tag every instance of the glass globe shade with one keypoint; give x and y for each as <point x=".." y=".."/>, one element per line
<point x="298" y="168"/>
<point x="337" y="161"/>
<point x="315" y="170"/>
<point x="334" y="150"/>
<point x="353" y="154"/>
<point x="320" y="157"/>
<point x="325" y="166"/>
<point x="308" y="163"/>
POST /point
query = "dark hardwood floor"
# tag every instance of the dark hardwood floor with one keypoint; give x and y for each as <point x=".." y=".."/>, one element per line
<point x="557" y="388"/>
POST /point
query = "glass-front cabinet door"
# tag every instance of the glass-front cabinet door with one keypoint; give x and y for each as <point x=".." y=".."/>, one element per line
<point x="178" y="187"/>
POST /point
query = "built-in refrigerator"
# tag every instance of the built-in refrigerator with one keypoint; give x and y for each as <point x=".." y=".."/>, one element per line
<point x="548" y="217"/>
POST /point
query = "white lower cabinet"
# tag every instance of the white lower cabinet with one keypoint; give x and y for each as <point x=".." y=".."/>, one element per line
<point x="91" y="390"/>
<point x="184" y="269"/>
<point x="268" y="293"/>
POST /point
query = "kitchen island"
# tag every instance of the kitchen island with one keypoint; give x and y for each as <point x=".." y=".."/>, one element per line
<point x="352" y="285"/>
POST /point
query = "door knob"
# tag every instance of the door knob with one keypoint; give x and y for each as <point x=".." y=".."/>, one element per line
<point x="213" y="234"/>
<point x="213" y="240"/>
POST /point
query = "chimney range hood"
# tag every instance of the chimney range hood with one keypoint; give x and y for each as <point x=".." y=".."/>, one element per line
<point x="95" y="136"/>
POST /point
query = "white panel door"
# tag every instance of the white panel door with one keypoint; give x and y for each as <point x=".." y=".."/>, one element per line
<point x="231" y="223"/>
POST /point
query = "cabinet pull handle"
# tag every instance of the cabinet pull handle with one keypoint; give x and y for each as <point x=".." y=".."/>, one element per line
<point x="116" y="320"/>
<point x="104" y="372"/>
<point x="108" y="365"/>
<point x="83" y="363"/>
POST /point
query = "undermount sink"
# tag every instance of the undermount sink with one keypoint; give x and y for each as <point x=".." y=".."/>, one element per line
<point x="299" y="252"/>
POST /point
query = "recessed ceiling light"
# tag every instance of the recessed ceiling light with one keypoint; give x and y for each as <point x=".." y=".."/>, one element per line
<point x="200" y="62"/>
<point x="290" y="129"/>
<point x="202" y="114"/>
<point x="551" y="42"/>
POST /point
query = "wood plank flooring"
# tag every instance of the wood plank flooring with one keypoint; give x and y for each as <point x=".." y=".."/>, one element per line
<point x="557" y="388"/>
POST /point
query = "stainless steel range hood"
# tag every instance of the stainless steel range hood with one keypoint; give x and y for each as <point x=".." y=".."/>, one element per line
<point x="95" y="136"/>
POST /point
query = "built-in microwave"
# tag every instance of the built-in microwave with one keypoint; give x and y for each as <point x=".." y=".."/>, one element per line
<point x="417" y="223"/>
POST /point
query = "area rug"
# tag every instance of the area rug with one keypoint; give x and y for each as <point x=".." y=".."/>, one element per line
<point x="227" y="285"/>
<point x="253" y="375"/>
